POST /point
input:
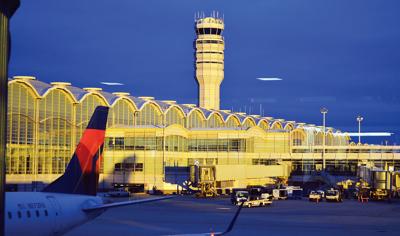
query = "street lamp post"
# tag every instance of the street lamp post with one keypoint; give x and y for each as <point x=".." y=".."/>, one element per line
<point x="359" y="119"/>
<point x="323" y="111"/>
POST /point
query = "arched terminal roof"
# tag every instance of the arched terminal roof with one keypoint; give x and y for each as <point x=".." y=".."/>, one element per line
<point x="78" y="95"/>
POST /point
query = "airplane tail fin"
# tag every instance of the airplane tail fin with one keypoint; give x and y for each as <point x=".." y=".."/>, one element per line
<point x="82" y="173"/>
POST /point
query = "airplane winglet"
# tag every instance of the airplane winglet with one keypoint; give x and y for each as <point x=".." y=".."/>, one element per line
<point x="230" y="227"/>
<point x="125" y="203"/>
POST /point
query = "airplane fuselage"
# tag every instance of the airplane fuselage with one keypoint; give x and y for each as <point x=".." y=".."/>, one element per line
<point x="41" y="213"/>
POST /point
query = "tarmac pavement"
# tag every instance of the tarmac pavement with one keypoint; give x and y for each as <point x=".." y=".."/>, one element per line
<point x="188" y="215"/>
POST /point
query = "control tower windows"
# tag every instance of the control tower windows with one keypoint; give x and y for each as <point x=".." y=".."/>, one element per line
<point x="215" y="31"/>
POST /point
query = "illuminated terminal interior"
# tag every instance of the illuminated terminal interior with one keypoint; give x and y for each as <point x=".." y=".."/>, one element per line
<point x="153" y="143"/>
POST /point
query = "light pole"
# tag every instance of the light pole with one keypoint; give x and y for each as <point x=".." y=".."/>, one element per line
<point x="359" y="119"/>
<point x="323" y="111"/>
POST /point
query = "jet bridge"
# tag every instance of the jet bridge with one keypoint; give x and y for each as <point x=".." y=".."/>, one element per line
<point x="213" y="179"/>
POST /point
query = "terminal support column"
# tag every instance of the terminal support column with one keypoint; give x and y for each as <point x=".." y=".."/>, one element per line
<point x="3" y="111"/>
<point x="7" y="9"/>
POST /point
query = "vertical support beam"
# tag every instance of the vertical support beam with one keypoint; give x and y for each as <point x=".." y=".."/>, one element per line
<point x="7" y="9"/>
<point x="3" y="112"/>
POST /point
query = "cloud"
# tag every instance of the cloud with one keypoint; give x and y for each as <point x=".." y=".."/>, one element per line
<point x="269" y="79"/>
<point x="111" y="83"/>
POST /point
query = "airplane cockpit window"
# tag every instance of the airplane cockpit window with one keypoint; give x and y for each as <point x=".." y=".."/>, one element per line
<point x="19" y="214"/>
<point x="37" y="213"/>
<point x="28" y="214"/>
<point x="9" y="215"/>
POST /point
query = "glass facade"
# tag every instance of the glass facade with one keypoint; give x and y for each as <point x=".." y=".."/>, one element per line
<point x="55" y="132"/>
<point x="174" y="116"/>
<point x="21" y="129"/>
<point x="232" y="122"/>
<point x="196" y="120"/>
<point x="45" y="124"/>
<point x="121" y="114"/>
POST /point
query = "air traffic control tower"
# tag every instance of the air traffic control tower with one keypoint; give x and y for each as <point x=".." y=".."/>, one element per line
<point x="209" y="46"/>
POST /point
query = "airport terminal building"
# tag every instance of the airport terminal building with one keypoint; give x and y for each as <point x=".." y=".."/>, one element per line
<point x="155" y="143"/>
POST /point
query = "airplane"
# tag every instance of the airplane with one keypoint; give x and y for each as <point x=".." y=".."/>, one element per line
<point x="71" y="199"/>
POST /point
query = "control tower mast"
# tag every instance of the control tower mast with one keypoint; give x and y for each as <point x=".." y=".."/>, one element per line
<point x="209" y="46"/>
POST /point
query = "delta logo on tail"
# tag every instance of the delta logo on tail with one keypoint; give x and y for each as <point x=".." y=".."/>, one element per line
<point x="82" y="173"/>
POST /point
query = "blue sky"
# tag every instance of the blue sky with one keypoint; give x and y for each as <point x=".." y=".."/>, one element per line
<point x="341" y="54"/>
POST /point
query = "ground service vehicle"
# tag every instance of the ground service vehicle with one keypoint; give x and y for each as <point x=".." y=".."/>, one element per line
<point x="251" y="198"/>
<point x="379" y="194"/>
<point x="333" y="195"/>
<point x="280" y="194"/>
<point x="257" y="202"/>
<point x="239" y="196"/>
<point x="315" y="196"/>
<point x="294" y="192"/>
